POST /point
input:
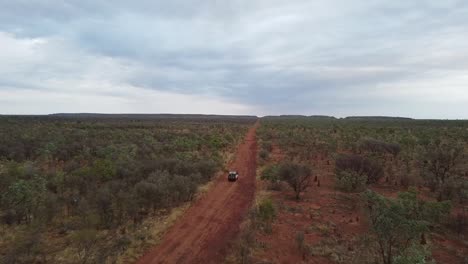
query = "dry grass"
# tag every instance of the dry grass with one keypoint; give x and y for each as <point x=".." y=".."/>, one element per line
<point x="151" y="231"/>
<point x="149" y="234"/>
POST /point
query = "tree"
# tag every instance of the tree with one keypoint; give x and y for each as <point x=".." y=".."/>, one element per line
<point x="104" y="169"/>
<point x="398" y="223"/>
<point x="104" y="207"/>
<point x="440" y="161"/>
<point x="298" y="176"/>
<point x="148" y="194"/>
<point x="24" y="199"/>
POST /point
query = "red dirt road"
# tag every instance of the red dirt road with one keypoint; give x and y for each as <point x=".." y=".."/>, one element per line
<point x="204" y="232"/>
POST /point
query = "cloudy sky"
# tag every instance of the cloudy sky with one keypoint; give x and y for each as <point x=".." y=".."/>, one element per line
<point x="334" y="57"/>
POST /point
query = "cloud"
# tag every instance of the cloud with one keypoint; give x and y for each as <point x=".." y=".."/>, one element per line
<point x="258" y="57"/>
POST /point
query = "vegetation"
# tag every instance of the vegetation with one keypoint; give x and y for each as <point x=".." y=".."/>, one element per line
<point x="391" y="156"/>
<point x="360" y="167"/>
<point x="298" y="177"/>
<point x="398" y="223"/>
<point x="72" y="185"/>
<point x="441" y="166"/>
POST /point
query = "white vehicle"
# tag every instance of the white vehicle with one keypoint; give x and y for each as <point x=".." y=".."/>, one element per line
<point x="233" y="176"/>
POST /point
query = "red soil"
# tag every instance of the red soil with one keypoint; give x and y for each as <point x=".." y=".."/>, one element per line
<point x="321" y="214"/>
<point x="325" y="213"/>
<point x="203" y="233"/>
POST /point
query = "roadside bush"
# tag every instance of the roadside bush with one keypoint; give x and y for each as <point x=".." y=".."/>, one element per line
<point x="266" y="213"/>
<point x="271" y="174"/>
<point x="148" y="194"/>
<point x="85" y="241"/>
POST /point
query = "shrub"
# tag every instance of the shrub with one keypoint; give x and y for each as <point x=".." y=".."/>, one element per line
<point x="266" y="213"/>
<point x="84" y="241"/>
<point x="415" y="254"/>
<point x="148" y="194"/>
<point x="377" y="146"/>
<point x="263" y="154"/>
<point x="271" y="174"/>
<point x="349" y="181"/>
<point x="266" y="210"/>
<point x="25" y="247"/>
<point x="301" y="244"/>
<point x="267" y="146"/>
<point x="300" y="240"/>
<point x="360" y="165"/>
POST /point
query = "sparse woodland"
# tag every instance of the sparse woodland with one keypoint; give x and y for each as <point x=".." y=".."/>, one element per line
<point x="380" y="190"/>
<point x="355" y="190"/>
<point x="78" y="190"/>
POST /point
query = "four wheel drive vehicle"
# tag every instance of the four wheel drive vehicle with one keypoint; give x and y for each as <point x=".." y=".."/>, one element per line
<point x="233" y="175"/>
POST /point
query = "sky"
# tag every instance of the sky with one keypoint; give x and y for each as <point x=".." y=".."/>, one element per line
<point x="256" y="57"/>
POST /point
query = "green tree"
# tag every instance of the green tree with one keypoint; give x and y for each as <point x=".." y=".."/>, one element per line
<point x="398" y="223"/>
<point x="104" y="169"/>
<point x="440" y="162"/>
<point x="23" y="199"/>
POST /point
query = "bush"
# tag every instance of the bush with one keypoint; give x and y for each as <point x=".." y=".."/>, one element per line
<point x="415" y="254"/>
<point x="360" y="165"/>
<point x="271" y="174"/>
<point x="377" y="146"/>
<point x="25" y="247"/>
<point x="350" y="181"/>
<point x="266" y="213"/>
<point x="263" y="154"/>
<point x="149" y="194"/>
<point x="267" y="146"/>
<point x="84" y="241"/>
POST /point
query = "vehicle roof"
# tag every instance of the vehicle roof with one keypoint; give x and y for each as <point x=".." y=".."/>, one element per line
<point x="232" y="172"/>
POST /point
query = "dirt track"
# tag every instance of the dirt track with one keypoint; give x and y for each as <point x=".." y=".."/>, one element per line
<point x="203" y="233"/>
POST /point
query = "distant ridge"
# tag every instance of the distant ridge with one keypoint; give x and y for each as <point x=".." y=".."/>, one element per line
<point x="377" y="118"/>
<point x="350" y="118"/>
<point x="148" y="116"/>
<point x="299" y="116"/>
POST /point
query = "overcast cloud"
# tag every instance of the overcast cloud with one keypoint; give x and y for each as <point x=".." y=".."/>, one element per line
<point x="334" y="57"/>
